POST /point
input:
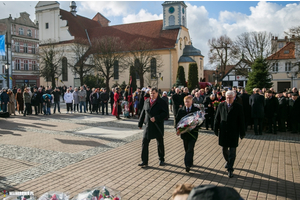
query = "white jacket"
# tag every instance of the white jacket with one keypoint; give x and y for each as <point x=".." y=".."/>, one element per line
<point x="68" y="97"/>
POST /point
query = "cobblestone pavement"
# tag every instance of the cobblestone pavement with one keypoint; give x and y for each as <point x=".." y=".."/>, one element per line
<point x="75" y="152"/>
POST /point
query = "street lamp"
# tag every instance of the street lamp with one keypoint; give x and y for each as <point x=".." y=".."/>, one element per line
<point x="7" y="63"/>
<point x="157" y="76"/>
<point x="293" y="75"/>
<point x="217" y="75"/>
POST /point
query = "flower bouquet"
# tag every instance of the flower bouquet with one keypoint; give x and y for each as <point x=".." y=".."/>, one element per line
<point x="189" y="122"/>
<point x="19" y="197"/>
<point x="54" y="196"/>
<point x="100" y="193"/>
<point x="216" y="103"/>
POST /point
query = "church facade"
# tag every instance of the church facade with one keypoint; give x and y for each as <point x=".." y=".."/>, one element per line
<point x="170" y="37"/>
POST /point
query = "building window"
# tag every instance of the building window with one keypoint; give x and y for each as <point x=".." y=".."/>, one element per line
<point x="33" y="66"/>
<point x="26" y="65"/>
<point x="286" y="52"/>
<point x="17" y="47"/>
<point x="153" y="68"/>
<point x="275" y="67"/>
<point x="47" y="25"/>
<point x="183" y="21"/>
<point x="21" y="31"/>
<point x="280" y="45"/>
<point x="64" y="73"/>
<point x="171" y="20"/>
<point x="29" y="33"/>
<point x="25" y="48"/>
<point x="288" y="67"/>
<point x="33" y="49"/>
<point x="137" y="66"/>
<point x="116" y="69"/>
<point x="17" y="65"/>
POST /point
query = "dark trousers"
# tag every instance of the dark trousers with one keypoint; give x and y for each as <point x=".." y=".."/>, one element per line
<point x="69" y="107"/>
<point x="27" y="108"/>
<point x="111" y="107"/>
<point x="99" y="106"/>
<point x="88" y="105"/>
<point x="36" y="109"/>
<point x="58" y="106"/>
<point x="271" y="124"/>
<point x="229" y="155"/>
<point x="160" y="149"/>
<point x="259" y="122"/>
<point x="95" y="108"/>
<point x="281" y="124"/>
<point x="209" y="119"/>
<point x="189" y="152"/>
<point x="106" y="107"/>
<point x="40" y="108"/>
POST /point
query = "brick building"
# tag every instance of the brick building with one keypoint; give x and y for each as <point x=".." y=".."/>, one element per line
<point x="23" y="37"/>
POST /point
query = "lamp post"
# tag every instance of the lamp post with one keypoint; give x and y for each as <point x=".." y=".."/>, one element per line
<point x="217" y="75"/>
<point x="7" y="63"/>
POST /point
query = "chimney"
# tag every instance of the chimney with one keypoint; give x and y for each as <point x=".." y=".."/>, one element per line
<point x="293" y="36"/>
<point x="276" y="38"/>
<point x="286" y="38"/>
<point x="73" y="8"/>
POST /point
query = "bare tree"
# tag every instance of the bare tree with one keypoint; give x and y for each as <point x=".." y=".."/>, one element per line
<point x="140" y="55"/>
<point x="108" y="53"/>
<point x="294" y="36"/>
<point x="253" y="45"/>
<point x="50" y="54"/>
<point x="222" y="52"/>
<point x="82" y="64"/>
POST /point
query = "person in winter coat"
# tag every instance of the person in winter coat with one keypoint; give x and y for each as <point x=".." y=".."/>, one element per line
<point x="20" y="101"/>
<point x="11" y="102"/>
<point x="95" y="100"/>
<point x="56" y="94"/>
<point x="82" y="99"/>
<point x="229" y="125"/>
<point x="27" y="100"/>
<point x="35" y="101"/>
<point x="4" y="100"/>
<point x="104" y="97"/>
<point x="154" y="112"/>
<point x="76" y="99"/>
<point x="68" y="97"/>
<point x="47" y="98"/>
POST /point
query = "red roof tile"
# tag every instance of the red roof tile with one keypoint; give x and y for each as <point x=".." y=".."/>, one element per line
<point x="286" y="52"/>
<point x="151" y="30"/>
<point x="77" y="24"/>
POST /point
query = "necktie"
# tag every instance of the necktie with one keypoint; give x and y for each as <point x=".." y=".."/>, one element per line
<point x="188" y="110"/>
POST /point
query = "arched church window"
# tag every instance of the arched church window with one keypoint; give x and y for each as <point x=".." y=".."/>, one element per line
<point x="171" y="20"/>
<point x="153" y="68"/>
<point x="64" y="70"/>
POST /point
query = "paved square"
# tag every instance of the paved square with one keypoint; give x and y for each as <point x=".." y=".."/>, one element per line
<point x="75" y="152"/>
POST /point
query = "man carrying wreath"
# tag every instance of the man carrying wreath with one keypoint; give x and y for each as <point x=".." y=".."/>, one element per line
<point x="189" y="138"/>
<point x="229" y="126"/>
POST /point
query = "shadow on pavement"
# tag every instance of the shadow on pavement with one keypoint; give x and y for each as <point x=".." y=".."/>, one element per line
<point x="84" y="143"/>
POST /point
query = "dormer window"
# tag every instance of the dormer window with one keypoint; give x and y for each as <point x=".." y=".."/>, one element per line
<point x="286" y="52"/>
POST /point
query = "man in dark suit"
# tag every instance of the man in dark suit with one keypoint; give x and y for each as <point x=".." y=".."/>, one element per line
<point x="177" y="101"/>
<point x="229" y="120"/>
<point x="282" y="112"/>
<point x="209" y="111"/>
<point x="189" y="139"/>
<point x="271" y="109"/>
<point x="154" y="112"/>
<point x="246" y="106"/>
<point x="294" y="110"/>
<point x="257" y="103"/>
<point x="198" y="99"/>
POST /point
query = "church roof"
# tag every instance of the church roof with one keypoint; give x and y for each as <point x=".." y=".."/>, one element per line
<point x="286" y="52"/>
<point x="186" y="59"/>
<point x="82" y="27"/>
<point x="151" y="30"/>
<point x="190" y="50"/>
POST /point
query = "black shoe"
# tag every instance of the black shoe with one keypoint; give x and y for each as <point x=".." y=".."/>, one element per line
<point x="143" y="164"/>
<point x="260" y="133"/>
<point x="106" y="113"/>
<point x="161" y="163"/>
<point x="226" y="166"/>
<point x="256" y="134"/>
<point x="187" y="169"/>
<point x="230" y="174"/>
<point x="294" y="132"/>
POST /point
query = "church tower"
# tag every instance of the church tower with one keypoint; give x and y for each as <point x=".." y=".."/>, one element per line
<point x="174" y="14"/>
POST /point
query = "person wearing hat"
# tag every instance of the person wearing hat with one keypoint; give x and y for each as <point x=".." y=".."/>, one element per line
<point x="257" y="103"/>
<point x="271" y="111"/>
<point x="117" y="110"/>
<point x="282" y="112"/>
<point x="104" y="96"/>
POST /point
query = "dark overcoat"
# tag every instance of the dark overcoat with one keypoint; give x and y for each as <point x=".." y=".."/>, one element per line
<point x="181" y="113"/>
<point x="230" y="123"/>
<point x="282" y="108"/>
<point x="271" y="107"/>
<point x="159" y="110"/>
<point x="257" y="103"/>
<point x="246" y="106"/>
<point x="177" y="100"/>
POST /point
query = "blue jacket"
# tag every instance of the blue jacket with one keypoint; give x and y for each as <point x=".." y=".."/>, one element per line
<point x="4" y="97"/>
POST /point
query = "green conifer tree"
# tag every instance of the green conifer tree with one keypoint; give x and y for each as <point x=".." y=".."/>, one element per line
<point x="181" y="76"/>
<point x="259" y="77"/>
<point x="193" y="76"/>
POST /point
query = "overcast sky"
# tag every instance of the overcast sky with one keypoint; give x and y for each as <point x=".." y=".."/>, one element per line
<point x="205" y="19"/>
